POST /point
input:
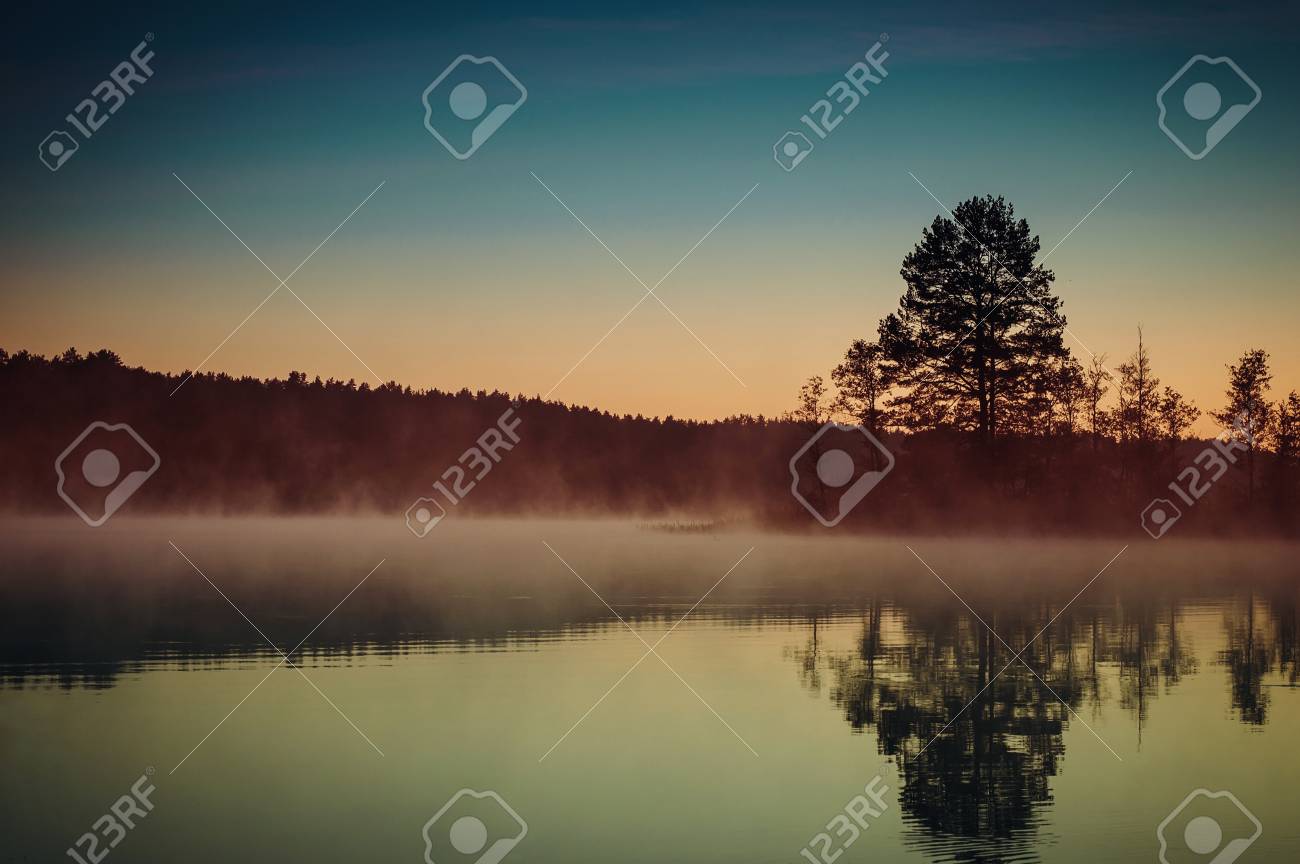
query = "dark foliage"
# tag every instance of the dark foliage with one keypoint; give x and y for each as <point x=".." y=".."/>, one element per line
<point x="293" y="445"/>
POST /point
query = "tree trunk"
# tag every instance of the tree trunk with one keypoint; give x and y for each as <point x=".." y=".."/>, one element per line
<point x="1250" y="474"/>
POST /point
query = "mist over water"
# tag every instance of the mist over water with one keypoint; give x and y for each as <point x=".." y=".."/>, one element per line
<point x="943" y="507"/>
<point x="466" y="655"/>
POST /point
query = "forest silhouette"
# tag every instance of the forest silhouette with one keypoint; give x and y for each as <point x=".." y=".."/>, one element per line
<point x="995" y="425"/>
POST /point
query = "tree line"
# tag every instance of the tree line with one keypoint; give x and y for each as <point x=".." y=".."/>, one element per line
<point x="977" y="347"/>
<point x="996" y="427"/>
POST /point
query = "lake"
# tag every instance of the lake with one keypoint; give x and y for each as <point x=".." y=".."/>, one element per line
<point x="908" y="699"/>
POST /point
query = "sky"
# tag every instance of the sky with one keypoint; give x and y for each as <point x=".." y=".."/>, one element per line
<point x="650" y="123"/>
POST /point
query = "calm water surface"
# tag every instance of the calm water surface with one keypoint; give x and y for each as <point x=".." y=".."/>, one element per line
<point x="468" y="657"/>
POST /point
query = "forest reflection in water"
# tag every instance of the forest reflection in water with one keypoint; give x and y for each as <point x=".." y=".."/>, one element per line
<point x="976" y="726"/>
<point x="970" y="703"/>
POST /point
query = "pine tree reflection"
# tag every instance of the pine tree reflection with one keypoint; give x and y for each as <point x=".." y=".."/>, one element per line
<point x="976" y="740"/>
<point x="1261" y="638"/>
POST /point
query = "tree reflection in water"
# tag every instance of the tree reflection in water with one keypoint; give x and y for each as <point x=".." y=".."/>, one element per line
<point x="977" y="737"/>
<point x="1261" y="638"/>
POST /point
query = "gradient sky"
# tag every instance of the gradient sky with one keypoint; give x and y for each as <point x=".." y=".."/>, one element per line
<point x="650" y="122"/>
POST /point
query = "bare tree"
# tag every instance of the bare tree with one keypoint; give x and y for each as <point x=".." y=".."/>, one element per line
<point x="1096" y="384"/>
<point x="1139" y="397"/>
<point x="1069" y="392"/>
